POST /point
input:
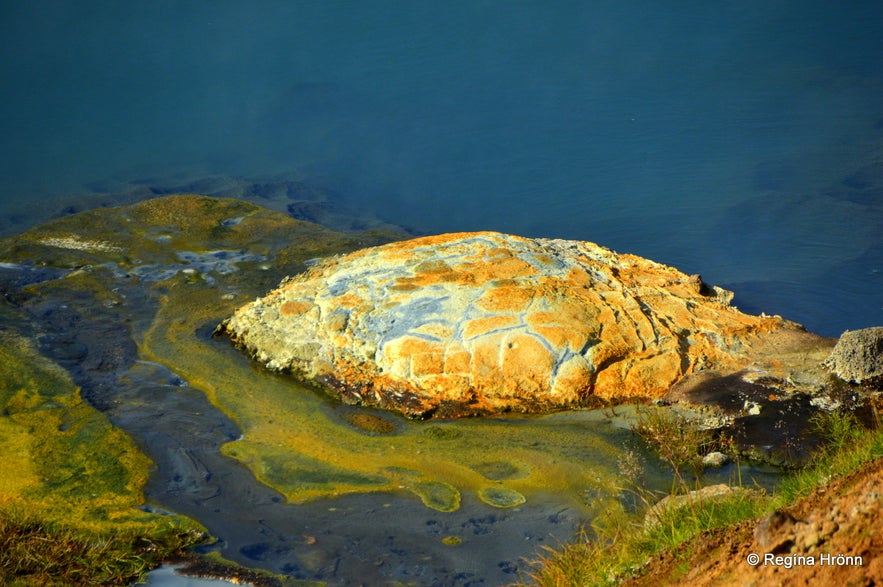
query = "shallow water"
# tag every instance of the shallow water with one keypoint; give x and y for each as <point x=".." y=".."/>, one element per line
<point x="166" y="576"/>
<point x="284" y="477"/>
<point x="742" y="141"/>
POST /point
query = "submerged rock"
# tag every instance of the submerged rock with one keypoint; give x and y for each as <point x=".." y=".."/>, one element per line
<point x="673" y="502"/>
<point x="715" y="459"/>
<point x="473" y="323"/>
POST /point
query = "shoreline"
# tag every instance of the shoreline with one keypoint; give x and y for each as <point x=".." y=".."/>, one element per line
<point x="101" y="345"/>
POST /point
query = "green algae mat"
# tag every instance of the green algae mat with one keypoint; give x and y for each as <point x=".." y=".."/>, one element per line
<point x="58" y="451"/>
<point x="195" y="260"/>
<point x="71" y="484"/>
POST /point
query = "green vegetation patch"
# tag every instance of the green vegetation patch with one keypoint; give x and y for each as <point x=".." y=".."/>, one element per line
<point x="624" y="543"/>
<point x="39" y="553"/>
<point x="78" y="464"/>
<point x="70" y="484"/>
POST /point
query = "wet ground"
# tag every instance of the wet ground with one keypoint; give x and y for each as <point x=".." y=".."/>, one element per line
<point x="168" y="576"/>
<point x="89" y="319"/>
<point x="352" y="540"/>
<point x="284" y="478"/>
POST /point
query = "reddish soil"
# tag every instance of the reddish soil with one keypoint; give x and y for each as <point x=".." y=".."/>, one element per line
<point x="841" y="518"/>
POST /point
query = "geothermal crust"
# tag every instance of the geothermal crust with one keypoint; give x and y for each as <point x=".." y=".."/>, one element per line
<point x="858" y="356"/>
<point x="478" y="323"/>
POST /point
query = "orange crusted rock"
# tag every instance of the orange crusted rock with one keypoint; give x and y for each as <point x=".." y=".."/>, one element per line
<point x="476" y="323"/>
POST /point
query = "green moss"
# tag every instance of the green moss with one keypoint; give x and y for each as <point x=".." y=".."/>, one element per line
<point x="70" y="484"/>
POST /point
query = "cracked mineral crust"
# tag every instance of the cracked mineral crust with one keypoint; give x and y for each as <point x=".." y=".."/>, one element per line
<point x="480" y="323"/>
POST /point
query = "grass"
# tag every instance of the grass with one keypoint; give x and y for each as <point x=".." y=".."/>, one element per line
<point x="677" y="440"/>
<point x="34" y="551"/>
<point x="71" y="484"/>
<point x="621" y="545"/>
<point x="848" y="447"/>
<point x="620" y="548"/>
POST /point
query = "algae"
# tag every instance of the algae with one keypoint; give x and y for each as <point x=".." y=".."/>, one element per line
<point x="500" y="497"/>
<point x="61" y="456"/>
<point x="501" y="470"/>
<point x="297" y="476"/>
<point x="196" y="260"/>
<point x="277" y="415"/>
<point x="437" y="495"/>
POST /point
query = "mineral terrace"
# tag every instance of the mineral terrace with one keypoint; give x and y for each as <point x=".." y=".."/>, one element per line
<point x="480" y="323"/>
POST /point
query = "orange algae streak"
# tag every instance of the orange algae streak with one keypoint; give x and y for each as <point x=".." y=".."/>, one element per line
<point x="291" y="308"/>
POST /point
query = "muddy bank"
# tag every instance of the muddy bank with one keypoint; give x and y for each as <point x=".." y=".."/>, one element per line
<point x="89" y="312"/>
<point x="351" y="540"/>
<point x="831" y="537"/>
<point x="767" y="409"/>
<point x="285" y="479"/>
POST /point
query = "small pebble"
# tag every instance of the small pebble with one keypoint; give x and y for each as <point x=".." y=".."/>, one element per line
<point x="715" y="459"/>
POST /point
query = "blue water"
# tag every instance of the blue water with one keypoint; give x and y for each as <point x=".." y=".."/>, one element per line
<point x="741" y="140"/>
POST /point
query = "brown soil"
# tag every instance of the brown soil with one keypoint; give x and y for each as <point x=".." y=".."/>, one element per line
<point x="841" y="518"/>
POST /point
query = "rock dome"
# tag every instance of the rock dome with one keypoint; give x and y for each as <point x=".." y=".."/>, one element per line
<point x="478" y="323"/>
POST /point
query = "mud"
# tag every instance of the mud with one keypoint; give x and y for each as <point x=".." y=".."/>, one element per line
<point x="365" y="483"/>
<point x="831" y="537"/>
<point x="352" y="540"/>
<point x="767" y="424"/>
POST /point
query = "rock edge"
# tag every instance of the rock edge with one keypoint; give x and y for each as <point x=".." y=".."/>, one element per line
<point x="479" y="323"/>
